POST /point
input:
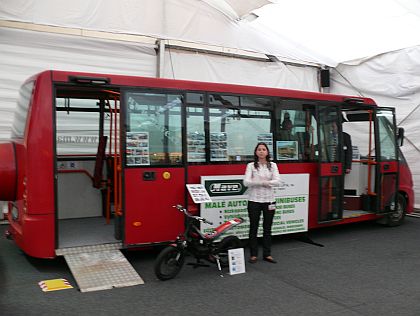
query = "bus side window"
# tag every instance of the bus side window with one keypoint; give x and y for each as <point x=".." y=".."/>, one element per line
<point x="234" y="133"/>
<point x="196" y="141"/>
<point x="297" y="128"/>
<point x="153" y="129"/>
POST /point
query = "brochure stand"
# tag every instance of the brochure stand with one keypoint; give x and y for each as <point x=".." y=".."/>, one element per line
<point x="236" y="261"/>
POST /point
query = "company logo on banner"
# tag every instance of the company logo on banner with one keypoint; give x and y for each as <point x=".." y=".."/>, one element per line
<point x="229" y="200"/>
<point x="222" y="187"/>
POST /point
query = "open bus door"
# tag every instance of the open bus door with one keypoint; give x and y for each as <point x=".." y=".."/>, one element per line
<point x="153" y="173"/>
<point x="330" y="168"/>
<point x="386" y="181"/>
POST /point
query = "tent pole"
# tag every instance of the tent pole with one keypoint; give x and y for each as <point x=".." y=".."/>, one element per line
<point x="161" y="59"/>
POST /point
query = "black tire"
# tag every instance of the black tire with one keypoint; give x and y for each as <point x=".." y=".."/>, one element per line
<point x="397" y="217"/>
<point x="168" y="263"/>
<point x="229" y="242"/>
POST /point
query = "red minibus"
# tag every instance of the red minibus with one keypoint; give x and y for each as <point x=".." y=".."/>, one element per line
<point x="99" y="158"/>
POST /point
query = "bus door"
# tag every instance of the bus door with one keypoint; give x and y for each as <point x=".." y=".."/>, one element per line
<point x="153" y="175"/>
<point x="386" y="181"/>
<point x="330" y="164"/>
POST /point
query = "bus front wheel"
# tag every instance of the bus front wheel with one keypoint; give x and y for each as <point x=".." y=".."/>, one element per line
<point x="397" y="217"/>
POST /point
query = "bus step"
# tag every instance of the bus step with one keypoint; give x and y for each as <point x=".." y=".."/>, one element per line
<point x="100" y="267"/>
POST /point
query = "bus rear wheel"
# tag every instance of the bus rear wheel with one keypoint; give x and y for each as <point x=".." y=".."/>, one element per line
<point x="397" y="217"/>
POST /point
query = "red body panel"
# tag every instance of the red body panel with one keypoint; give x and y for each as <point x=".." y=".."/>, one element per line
<point x="40" y="154"/>
<point x="406" y="185"/>
<point x="149" y="216"/>
<point x="389" y="167"/>
<point x="331" y="169"/>
<point x="33" y="234"/>
<point x="8" y="172"/>
<point x="35" y="191"/>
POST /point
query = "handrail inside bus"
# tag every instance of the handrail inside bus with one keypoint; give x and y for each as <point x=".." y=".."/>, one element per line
<point x="369" y="162"/>
<point x="114" y="150"/>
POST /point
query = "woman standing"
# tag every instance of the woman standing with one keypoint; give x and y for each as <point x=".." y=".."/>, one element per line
<point x="260" y="177"/>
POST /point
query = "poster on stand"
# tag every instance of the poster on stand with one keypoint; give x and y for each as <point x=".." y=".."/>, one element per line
<point x="229" y="200"/>
<point x="198" y="193"/>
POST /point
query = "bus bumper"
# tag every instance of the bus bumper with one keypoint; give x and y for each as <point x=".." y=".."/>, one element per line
<point x="34" y="234"/>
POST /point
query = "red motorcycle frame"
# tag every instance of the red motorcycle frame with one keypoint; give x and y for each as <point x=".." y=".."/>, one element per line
<point x="201" y="246"/>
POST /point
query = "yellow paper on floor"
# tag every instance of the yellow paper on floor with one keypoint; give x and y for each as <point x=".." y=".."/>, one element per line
<point x="54" y="285"/>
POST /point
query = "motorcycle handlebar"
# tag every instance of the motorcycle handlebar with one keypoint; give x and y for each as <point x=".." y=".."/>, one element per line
<point x="198" y="218"/>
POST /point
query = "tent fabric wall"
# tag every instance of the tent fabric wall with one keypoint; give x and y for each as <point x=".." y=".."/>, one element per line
<point x="391" y="79"/>
<point x="188" y="20"/>
<point x="25" y="53"/>
<point x="212" y="68"/>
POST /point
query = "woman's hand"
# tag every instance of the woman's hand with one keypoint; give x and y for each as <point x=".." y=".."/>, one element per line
<point x="266" y="184"/>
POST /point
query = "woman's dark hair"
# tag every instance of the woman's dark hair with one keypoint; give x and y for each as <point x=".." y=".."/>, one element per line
<point x="268" y="158"/>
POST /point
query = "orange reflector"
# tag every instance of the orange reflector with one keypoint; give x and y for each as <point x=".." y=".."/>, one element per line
<point x="137" y="224"/>
<point x="166" y="175"/>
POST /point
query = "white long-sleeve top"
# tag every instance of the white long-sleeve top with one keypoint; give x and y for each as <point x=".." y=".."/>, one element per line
<point x="260" y="182"/>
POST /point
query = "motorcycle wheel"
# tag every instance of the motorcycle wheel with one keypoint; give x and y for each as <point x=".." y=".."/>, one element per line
<point x="168" y="263"/>
<point x="229" y="242"/>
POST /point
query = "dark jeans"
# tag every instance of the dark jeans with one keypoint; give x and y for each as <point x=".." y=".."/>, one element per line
<point x="254" y="213"/>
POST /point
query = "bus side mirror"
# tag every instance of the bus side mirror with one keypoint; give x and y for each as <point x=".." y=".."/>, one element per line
<point x="400" y="136"/>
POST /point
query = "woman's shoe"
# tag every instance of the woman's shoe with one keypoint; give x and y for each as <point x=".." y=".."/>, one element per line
<point x="253" y="259"/>
<point x="269" y="259"/>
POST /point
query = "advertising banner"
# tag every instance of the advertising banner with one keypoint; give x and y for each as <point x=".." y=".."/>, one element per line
<point x="229" y="200"/>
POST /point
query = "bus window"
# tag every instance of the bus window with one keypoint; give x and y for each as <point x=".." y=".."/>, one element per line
<point x="296" y="134"/>
<point x="195" y="98"/>
<point x="234" y="133"/>
<point x="22" y="109"/>
<point x="258" y="102"/>
<point x="153" y="129"/>
<point x="77" y="122"/>
<point x="226" y="100"/>
<point x="357" y="123"/>
<point x="196" y="142"/>
<point x="329" y="136"/>
<point x="387" y="135"/>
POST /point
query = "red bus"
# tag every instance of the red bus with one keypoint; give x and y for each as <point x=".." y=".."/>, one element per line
<point x="97" y="158"/>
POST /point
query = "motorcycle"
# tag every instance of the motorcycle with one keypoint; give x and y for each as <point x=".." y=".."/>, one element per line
<point x="201" y="246"/>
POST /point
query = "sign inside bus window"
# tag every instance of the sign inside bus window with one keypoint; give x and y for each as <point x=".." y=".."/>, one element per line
<point x="266" y="138"/>
<point x="229" y="200"/>
<point x="76" y="143"/>
<point x="218" y="147"/>
<point x="287" y="150"/>
<point x="196" y="146"/>
<point x="137" y="148"/>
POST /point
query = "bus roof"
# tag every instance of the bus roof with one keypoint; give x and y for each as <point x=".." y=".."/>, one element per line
<point x="134" y="81"/>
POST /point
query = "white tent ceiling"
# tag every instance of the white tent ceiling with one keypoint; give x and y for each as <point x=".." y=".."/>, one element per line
<point x="340" y="30"/>
<point x="324" y="31"/>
